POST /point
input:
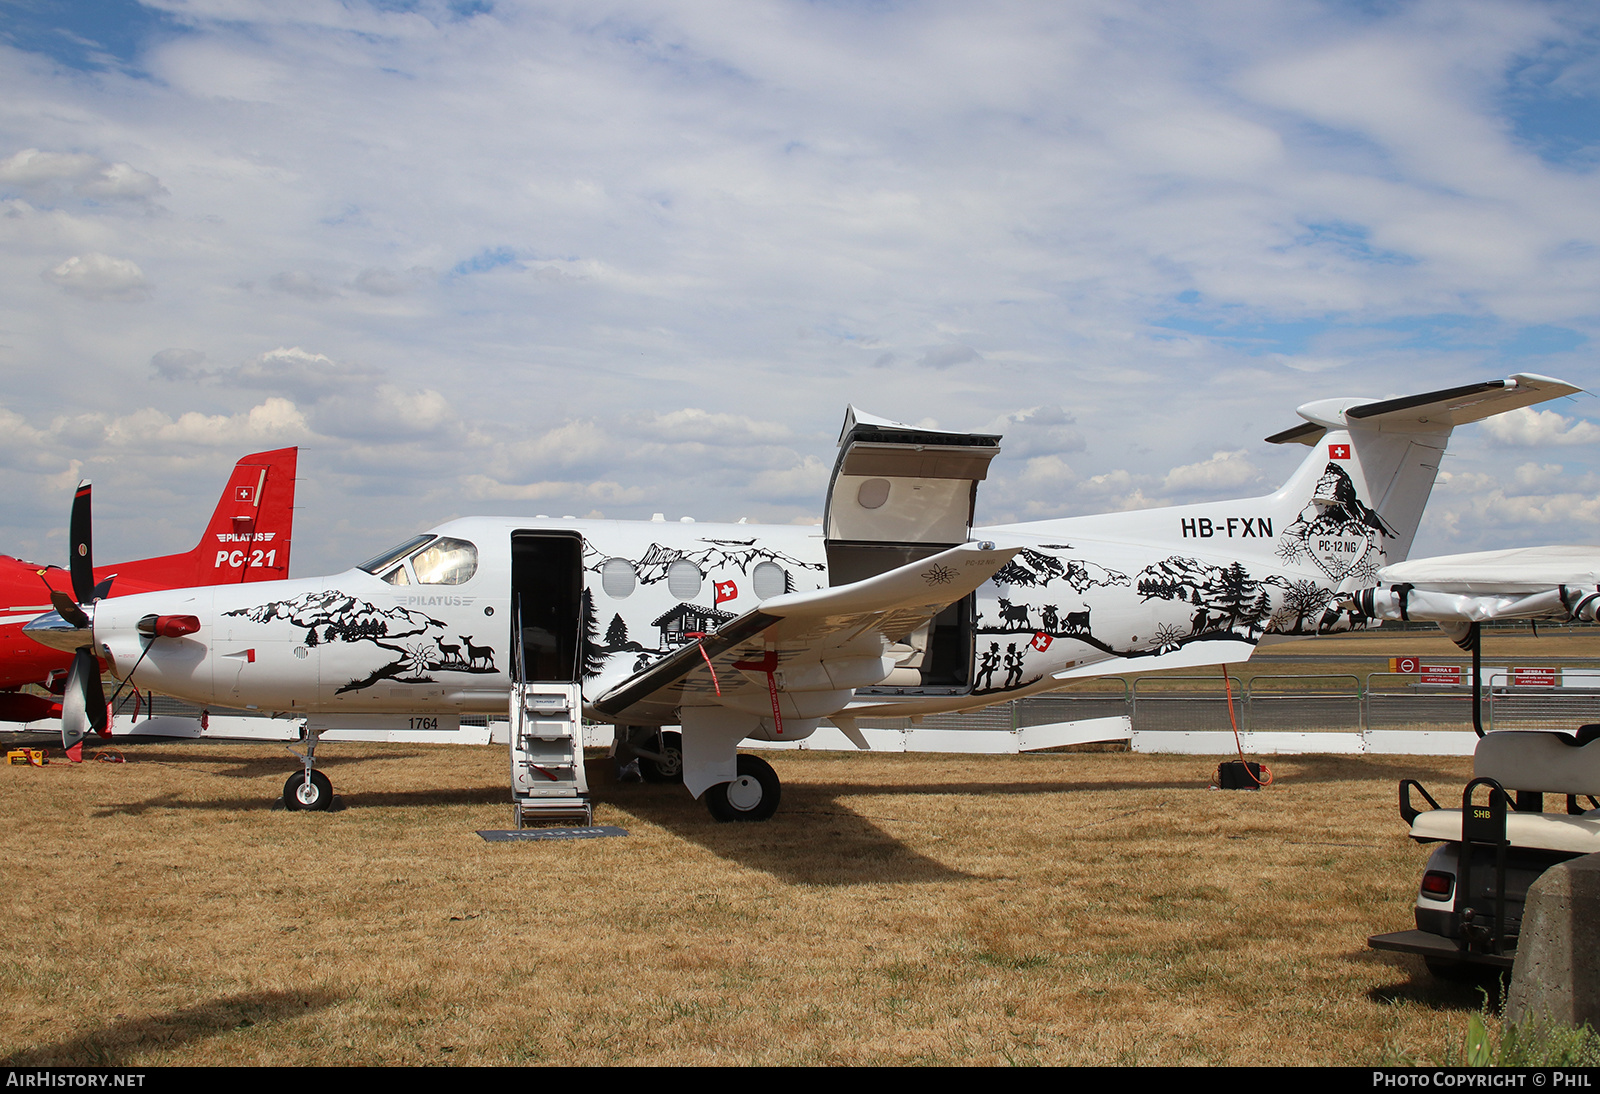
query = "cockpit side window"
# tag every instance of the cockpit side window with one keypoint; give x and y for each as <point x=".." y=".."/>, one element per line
<point x="392" y="555"/>
<point x="445" y="561"/>
<point x="398" y="576"/>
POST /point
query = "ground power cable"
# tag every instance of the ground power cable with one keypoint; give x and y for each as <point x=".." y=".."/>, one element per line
<point x="1227" y="687"/>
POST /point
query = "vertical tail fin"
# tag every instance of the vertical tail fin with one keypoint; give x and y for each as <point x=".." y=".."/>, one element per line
<point x="249" y="536"/>
<point x="247" y="539"/>
<point x="1381" y="462"/>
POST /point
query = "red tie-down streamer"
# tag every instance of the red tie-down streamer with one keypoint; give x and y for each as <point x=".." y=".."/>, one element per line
<point x="769" y="665"/>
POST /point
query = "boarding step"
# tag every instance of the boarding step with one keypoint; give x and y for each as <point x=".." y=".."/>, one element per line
<point x="533" y="812"/>
<point x="548" y="782"/>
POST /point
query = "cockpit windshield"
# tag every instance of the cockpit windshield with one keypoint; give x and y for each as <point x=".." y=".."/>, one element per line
<point x="393" y="554"/>
<point x="445" y="561"/>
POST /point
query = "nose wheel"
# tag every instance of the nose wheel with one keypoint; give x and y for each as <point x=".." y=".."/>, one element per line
<point x="753" y="796"/>
<point x="308" y="791"/>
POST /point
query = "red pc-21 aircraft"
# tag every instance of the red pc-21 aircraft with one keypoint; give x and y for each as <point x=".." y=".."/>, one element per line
<point x="895" y="606"/>
<point x="246" y="540"/>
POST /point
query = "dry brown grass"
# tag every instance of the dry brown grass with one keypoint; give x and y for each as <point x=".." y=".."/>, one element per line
<point x="901" y="909"/>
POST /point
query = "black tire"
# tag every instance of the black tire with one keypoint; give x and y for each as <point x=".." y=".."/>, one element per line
<point x="753" y="796"/>
<point x="670" y="768"/>
<point x="314" y="795"/>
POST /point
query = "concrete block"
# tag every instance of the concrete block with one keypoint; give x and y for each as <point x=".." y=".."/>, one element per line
<point x="1556" y="977"/>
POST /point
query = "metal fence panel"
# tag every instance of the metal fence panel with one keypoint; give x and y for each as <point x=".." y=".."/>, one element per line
<point x="1563" y="709"/>
<point x="1044" y="710"/>
<point x="1193" y="704"/>
<point x="1303" y="704"/>
<point x="1397" y="701"/>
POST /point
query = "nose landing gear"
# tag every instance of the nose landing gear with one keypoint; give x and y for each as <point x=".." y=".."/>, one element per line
<point x="308" y="790"/>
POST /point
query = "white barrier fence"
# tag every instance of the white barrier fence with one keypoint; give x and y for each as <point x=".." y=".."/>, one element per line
<point x="1384" y="713"/>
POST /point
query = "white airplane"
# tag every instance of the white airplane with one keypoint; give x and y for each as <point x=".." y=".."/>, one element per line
<point x="1461" y="592"/>
<point x="895" y="606"/>
<point x="1554" y="583"/>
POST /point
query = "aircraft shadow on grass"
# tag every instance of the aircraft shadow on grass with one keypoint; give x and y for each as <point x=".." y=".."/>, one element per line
<point x="119" y="1043"/>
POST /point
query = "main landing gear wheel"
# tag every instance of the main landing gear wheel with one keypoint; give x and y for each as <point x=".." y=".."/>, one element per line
<point x="668" y="769"/>
<point x="753" y="796"/>
<point x="311" y="794"/>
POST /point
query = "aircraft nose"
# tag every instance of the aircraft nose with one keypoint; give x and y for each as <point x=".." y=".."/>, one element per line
<point x="50" y="629"/>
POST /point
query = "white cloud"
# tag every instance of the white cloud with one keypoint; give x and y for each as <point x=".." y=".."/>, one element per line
<point x="1046" y="473"/>
<point x="948" y="356"/>
<point x="806" y="483"/>
<point x="177" y="363"/>
<point x="88" y="176"/>
<point x="567" y="445"/>
<point x="299" y="283"/>
<point x="377" y="281"/>
<point x="275" y="421"/>
<point x="1222" y="470"/>
<point x="481" y="486"/>
<point x="1531" y="476"/>
<point x="95" y="276"/>
<point x="300" y="373"/>
<point x="32" y="168"/>
<point x="709" y="428"/>
<point x="1527" y="427"/>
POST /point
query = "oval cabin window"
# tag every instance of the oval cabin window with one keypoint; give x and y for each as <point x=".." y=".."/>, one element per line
<point x="684" y="579"/>
<point x="618" y="578"/>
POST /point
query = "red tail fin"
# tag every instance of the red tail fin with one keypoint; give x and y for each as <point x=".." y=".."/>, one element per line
<point x="248" y="538"/>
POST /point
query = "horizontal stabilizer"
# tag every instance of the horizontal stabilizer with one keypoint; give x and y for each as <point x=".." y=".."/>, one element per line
<point x="1433" y="410"/>
<point x="828" y="640"/>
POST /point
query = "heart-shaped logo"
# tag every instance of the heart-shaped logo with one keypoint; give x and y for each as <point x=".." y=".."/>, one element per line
<point x="1339" y="547"/>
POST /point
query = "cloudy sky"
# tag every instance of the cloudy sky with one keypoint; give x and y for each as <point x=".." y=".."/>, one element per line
<point x="614" y="258"/>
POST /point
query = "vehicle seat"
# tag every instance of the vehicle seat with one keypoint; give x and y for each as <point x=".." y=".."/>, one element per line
<point x="1550" y="763"/>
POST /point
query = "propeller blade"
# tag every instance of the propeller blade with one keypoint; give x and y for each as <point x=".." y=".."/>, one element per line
<point x="67" y="610"/>
<point x="94" y="694"/>
<point x="81" y="561"/>
<point x="83" y="704"/>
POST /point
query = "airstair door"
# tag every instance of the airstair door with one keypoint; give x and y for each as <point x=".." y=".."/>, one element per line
<point x="547" y="776"/>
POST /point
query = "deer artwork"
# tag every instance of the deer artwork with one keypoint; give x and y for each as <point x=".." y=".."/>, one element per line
<point x="450" y="654"/>
<point x="477" y="653"/>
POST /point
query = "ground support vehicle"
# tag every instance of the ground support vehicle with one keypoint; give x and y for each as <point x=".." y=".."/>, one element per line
<point x="1470" y="903"/>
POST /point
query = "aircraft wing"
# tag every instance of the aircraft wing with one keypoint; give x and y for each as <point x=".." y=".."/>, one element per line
<point x="821" y="642"/>
<point x="1561" y="583"/>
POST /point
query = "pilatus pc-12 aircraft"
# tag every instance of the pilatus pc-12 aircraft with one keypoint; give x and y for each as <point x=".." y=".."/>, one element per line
<point x="246" y="540"/>
<point x="895" y="606"/>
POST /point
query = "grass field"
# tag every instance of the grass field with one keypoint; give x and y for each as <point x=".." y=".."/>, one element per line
<point x="1079" y="908"/>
